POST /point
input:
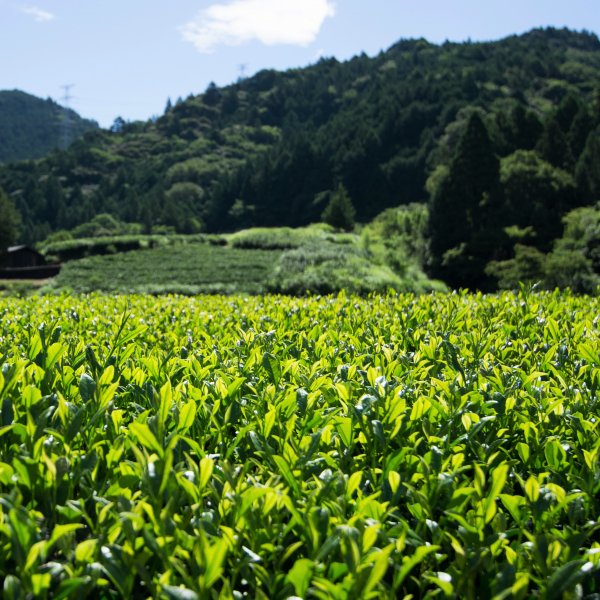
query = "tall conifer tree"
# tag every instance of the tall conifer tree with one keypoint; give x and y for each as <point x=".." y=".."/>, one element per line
<point x="462" y="204"/>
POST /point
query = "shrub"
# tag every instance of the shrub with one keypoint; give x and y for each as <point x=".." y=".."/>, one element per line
<point x="340" y="212"/>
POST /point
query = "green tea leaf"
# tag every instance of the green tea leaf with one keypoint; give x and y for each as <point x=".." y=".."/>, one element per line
<point x="272" y="367"/>
<point x="589" y="353"/>
<point x="187" y="415"/>
<point x="532" y="489"/>
<point x="166" y="402"/>
<point x="344" y="428"/>
<point x="12" y="588"/>
<point x="215" y="566"/>
<point x="206" y="469"/>
<point x="566" y="578"/>
<point x="300" y="575"/>
<point x="179" y="593"/>
<point x="60" y="531"/>
<point x="87" y="387"/>
<point x="287" y="474"/>
<point x="85" y="551"/>
<point x="409" y="563"/>
<point x="145" y="437"/>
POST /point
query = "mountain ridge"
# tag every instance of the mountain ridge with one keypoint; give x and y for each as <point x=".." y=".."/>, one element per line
<point x="268" y="149"/>
<point x="31" y="127"/>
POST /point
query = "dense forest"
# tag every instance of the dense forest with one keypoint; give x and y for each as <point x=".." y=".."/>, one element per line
<point x="30" y="127"/>
<point x="500" y="139"/>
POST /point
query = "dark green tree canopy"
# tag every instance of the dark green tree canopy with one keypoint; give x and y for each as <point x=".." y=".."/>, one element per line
<point x="10" y="221"/>
<point x="536" y="195"/>
<point x="340" y="212"/>
<point x="461" y="205"/>
<point x="587" y="172"/>
<point x="553" y="146"/>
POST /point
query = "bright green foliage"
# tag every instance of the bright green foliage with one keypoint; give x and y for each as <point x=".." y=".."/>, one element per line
<point x="398" y="236"/>
<point x="101" y="225"/>
<point x="281" y="238"/>
<point x="327" y="268"/>
<point x="272" y="447"/>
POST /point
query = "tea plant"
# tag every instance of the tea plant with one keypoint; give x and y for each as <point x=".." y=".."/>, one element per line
<point x="269" y="447"/>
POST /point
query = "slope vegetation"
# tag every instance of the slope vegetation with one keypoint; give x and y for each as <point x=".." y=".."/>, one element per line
<point x="31" y="127"/>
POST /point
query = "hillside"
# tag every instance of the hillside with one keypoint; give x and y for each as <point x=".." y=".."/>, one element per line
<point x="269" y="150"/>
<point x="31" y="127"/>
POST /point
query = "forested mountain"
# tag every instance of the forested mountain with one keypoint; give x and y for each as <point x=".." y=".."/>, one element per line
<point x="31" y="127"/>
<point x="407" y="125"/>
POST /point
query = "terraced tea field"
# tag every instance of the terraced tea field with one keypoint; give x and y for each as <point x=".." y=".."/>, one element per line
<point x="268" y="447"/>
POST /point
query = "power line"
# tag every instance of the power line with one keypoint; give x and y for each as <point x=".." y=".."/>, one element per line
<point x="66" y="115"/>
<point x="67" y="97"/>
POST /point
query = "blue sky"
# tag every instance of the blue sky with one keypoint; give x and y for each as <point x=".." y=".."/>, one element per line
<point x="125" y="58"/>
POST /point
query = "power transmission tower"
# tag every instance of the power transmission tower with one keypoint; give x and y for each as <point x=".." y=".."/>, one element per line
<point x="66" y="118"/>
<point x="242" y="71"/>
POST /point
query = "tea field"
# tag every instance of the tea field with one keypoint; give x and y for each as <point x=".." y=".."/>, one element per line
<point x="323" y="447"/>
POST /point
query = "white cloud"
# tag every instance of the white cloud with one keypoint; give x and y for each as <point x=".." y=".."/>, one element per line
<point x="271" y="22"/>
<point x="38" y="14"/>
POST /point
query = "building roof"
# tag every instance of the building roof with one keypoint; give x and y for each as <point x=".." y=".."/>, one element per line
<point x="21" y="247"/>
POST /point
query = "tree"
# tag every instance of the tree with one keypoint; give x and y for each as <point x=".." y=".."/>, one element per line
<point x="582" y="233"/>
<point x="554" y="147"/>
<point x="184" y="207"/>
<point x="579" y="131"/>
<point x="536" y="194"/>
<point x="340" y="212"/>
<point x="587" y="172"/>
<point x="567" y="111"/>
<point x="575" y="259"/>
<point x="462" y="209"/>
<point x="528" y="266"/>
<point x="55" y="202"/>
<point x="212" y="95"/>
<point x="10" y="220"/>
<point x="525" y="128"/>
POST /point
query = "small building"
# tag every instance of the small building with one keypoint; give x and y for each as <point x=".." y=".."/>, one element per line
<point x="23" y="262"/>
<point x="19" y="257"/>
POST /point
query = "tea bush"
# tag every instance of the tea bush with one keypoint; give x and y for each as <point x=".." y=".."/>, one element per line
<point x="327" y="447"/>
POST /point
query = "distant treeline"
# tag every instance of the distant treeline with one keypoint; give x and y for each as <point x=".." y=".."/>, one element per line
<point x="501" y="139"/>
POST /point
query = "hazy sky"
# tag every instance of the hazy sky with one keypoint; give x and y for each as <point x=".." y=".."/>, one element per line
<point x="126" y="57"/>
